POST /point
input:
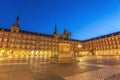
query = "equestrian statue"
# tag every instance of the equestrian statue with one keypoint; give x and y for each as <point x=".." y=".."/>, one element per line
<point x="65" y="35"/>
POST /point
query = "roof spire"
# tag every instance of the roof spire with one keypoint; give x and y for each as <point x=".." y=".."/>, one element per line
<point x="55" y="30"/>
<point x="17" y="20"/>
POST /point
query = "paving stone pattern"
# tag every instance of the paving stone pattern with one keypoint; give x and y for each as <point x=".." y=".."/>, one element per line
<point x="100" y="74"/>
<point x="88" y="68"/>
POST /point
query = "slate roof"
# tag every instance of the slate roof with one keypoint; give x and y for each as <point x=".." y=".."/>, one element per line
<point x="7" y="30"/>
<point x="103" y="36"/>
<point x="33" y="33"/>
<point x="76" y="40"/>
<point x="27" y="32"/>
<point x="47" y="35"/>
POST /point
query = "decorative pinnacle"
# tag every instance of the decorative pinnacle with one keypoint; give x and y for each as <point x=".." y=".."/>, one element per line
<point x="55" y="30"/>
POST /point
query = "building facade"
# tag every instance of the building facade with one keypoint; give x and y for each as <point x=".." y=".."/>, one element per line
<point x="17" y="42"/>
<point x="103" y="45"/>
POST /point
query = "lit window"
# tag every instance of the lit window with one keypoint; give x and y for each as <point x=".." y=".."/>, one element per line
<point x="6" y="34"/>
<point x="0" y="39"/>
<point x="4" y="45"/>
<point x="1" y="34"/>
<point x="5" y="40"/>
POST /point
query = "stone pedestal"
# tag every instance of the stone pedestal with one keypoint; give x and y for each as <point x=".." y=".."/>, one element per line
<point x="64" y="57"/>
<point x="64" y="53"/>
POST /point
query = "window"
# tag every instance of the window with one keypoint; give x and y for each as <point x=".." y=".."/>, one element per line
<point x="5" y="40"/>
<point x="1" y="39"/>
<point x="18" y="46"/>
<point x="11" y="45"/>
<point x="6" y="34"/>
<point x="23" y="46"/>
<point x="4" y="45"/>
<point x="1" y="34"/>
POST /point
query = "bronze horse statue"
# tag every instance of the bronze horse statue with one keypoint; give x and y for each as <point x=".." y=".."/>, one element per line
<point x="65" y="35"/>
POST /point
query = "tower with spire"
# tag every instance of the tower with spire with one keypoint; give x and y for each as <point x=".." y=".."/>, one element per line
<point x="55" y="34"/>
<point x="15" y="27"/>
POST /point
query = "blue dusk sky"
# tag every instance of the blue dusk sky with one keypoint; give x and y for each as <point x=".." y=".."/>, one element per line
<point x="85" y="19"/>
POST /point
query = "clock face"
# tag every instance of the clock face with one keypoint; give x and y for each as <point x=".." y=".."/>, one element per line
<point x="79" y="45"/>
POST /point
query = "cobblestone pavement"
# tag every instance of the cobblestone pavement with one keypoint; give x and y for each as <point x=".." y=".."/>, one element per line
<point x="36" y="68"/>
